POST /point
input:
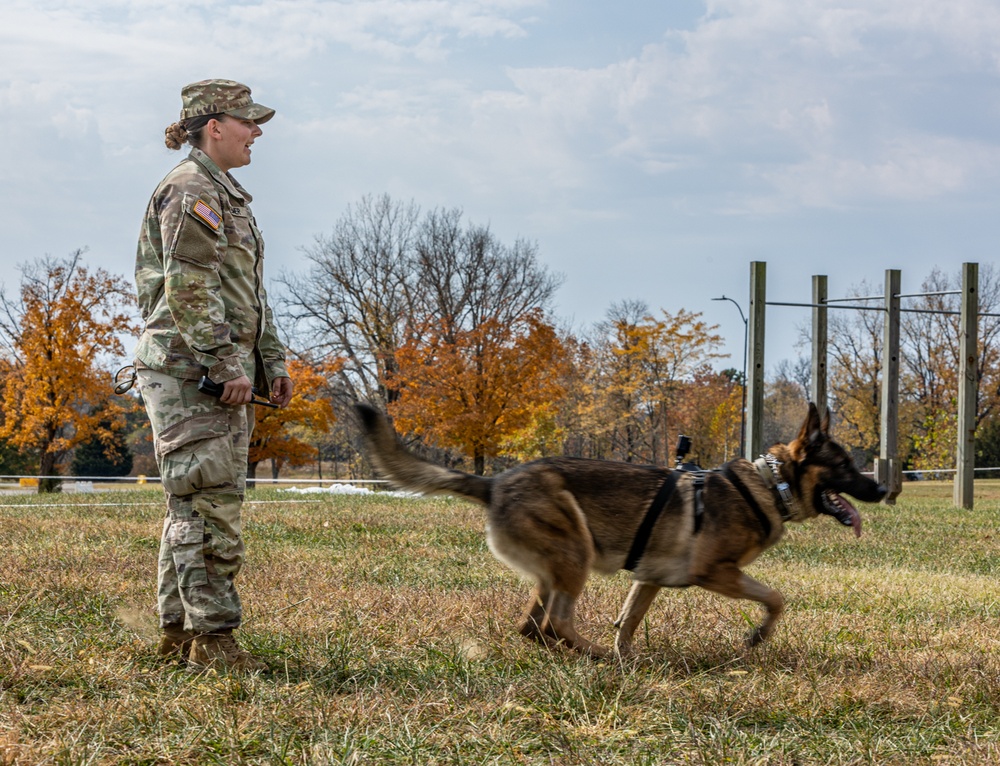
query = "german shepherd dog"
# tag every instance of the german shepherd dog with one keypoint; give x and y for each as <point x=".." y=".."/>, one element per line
<point x="556" y="519"/>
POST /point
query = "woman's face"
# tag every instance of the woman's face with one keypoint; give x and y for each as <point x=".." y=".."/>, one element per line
<point x="229" y="141"/>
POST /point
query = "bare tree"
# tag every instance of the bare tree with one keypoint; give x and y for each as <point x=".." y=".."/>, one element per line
<point x="855" y="369"/>
<point x="468" y="277"/>
<point x="785" y="401"/>
<point x="356" y="299"/>
<point x="386" y="274"/>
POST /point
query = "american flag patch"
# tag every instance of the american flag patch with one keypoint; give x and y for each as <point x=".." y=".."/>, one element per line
<point x="205" y="213"/>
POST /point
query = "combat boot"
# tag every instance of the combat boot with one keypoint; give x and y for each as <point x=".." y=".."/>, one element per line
<point x="220" y="651"/>
<point x="175" y="642"/>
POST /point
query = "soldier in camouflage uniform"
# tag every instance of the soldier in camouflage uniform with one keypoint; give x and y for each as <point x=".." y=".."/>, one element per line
<point x="199" y="273"/>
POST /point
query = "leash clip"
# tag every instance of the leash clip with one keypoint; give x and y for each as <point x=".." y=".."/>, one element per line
<point x="123" y="386"/>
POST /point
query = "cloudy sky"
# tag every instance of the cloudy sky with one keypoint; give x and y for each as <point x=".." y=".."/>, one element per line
<point x="652" y="149"/>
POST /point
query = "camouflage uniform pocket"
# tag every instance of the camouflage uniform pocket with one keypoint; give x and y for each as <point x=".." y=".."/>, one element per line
<point x="186" y="539"/>
<point x="197" y="454"/>
<point x="196" y="240"/>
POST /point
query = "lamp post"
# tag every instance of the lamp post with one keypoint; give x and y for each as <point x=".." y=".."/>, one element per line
<point x="743" y="409"/>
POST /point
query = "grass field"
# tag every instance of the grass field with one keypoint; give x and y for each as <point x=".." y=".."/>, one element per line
<point x="391" y="632"/>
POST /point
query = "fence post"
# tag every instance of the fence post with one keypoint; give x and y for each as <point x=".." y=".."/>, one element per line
<point x="888" y="471"/>
<point x="755" y="343"/>
<point x="817" y="380"/>
<point x="968" y="375"/>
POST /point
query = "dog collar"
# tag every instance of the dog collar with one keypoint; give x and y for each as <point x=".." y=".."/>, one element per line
<point x="768" y="466"/>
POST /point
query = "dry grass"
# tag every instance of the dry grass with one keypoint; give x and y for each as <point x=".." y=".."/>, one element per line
<point x="391" y="632"/>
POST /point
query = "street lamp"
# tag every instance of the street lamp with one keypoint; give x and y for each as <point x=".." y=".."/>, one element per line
<point x="743" y="410"/>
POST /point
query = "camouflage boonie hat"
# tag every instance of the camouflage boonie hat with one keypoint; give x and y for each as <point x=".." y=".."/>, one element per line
<point x="222" y="97"/>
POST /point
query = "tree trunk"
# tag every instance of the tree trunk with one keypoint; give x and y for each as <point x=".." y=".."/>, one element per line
<point x="47" y="467"/>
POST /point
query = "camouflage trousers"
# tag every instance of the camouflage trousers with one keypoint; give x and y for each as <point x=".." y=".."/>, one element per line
<point x="201" y="450"/>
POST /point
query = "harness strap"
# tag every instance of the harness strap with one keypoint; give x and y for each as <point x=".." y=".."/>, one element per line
<point x="649" y="521"/>
<point x="733" y="479"/>
<point x="699" y="499"/>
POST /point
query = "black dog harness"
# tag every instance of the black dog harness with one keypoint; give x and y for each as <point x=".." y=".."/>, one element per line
<point x="767" y="465"/>
<point x="656" y="508"/>
<point x="748" y="498"/>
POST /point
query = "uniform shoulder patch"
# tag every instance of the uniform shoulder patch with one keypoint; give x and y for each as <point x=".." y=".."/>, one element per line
<point x="205" y="212"/>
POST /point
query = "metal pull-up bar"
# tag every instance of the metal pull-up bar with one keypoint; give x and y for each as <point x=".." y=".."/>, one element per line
<point x="888" y="467"/>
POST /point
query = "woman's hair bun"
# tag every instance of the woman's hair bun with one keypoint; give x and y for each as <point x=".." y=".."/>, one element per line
<point x="175" y="136"/>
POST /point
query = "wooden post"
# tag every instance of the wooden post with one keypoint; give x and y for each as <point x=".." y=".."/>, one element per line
<point x="888" y="470"/>
<point x="968" y="375"/>
<point x="817" y="380"/>
<point x="755" y="343"/>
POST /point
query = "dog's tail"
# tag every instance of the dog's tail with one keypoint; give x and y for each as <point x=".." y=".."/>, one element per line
<point x="407" y="471"/>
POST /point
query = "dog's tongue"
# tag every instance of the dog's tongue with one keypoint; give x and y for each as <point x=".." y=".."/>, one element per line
<point x="844" y="512"/>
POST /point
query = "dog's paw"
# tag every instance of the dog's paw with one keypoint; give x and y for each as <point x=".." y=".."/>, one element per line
<point x="624" y="649"/>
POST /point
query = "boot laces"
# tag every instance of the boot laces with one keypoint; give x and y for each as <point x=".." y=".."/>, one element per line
<point x="227" y="642"/>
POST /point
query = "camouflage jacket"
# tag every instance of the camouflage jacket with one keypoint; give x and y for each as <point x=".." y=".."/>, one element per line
<point x="199" y="274"/>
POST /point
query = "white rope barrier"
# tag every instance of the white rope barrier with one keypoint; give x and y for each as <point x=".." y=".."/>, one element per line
<point x="258" y="481"/>
<point x="149" y="479"/>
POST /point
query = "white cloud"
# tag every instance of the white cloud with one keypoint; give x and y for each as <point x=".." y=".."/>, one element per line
<point x="721" y="137"/>
<point x="912" y="168"/>
<point x="805" y="101"/>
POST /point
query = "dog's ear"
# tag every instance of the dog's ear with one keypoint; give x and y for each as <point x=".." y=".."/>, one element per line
<point x="813" y="431"/>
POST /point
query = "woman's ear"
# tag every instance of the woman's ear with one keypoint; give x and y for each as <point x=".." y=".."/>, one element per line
<point x="212" y="129"/>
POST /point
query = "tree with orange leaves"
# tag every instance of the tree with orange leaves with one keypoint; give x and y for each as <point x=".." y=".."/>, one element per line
<point x="487" y="391"/>
<point x="640" y="365"/>
<point x="287" y="436"/>
<point x="707" y="409"/>
<point x="54" y="339"/>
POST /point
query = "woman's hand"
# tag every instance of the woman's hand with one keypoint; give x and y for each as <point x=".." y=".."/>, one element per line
<point x="237" y="391"/>
<point x="281" y="391"/>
